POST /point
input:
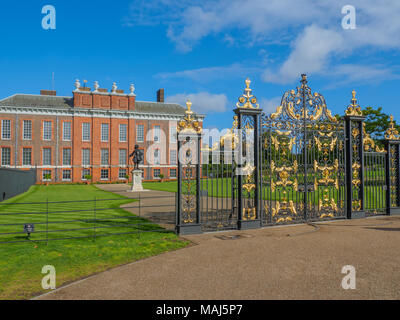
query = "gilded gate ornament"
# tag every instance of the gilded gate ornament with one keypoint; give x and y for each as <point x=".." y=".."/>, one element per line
<point x="188" y="197"/>
<point x="327" y="203"/>
<point x="247" y="100"/>
<point x="284" y="175"/>
<point x="249" y="180"/>
<point x="302" y="103"/>
<point x="356" y="166"/>
<point x="392" y="133"/>
<point x="356" y="174"/>
<point x="249" y="211"/>
<point x="327" y="172"/>
<point x="354" y="109"/>
<point x="285" y="144"/>
<point x="325" y="143"/>
<point x="393" y="174"/>
<point x="189" y="123"/>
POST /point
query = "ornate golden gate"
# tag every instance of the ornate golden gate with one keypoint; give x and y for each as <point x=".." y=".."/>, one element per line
<point x="302" y="160"/>
<point x="297" y="164"/>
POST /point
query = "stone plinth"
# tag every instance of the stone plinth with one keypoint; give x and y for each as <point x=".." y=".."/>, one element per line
<point x="137" y="181"/>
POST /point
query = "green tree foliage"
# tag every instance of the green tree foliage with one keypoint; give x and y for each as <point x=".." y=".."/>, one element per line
<point x="377" y="122"/>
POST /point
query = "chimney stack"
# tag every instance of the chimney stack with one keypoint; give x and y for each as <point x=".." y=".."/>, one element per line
<point x="160" y="95"/>
<point x="48" y="92"/>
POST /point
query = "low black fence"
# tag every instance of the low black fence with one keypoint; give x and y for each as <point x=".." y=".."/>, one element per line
<point x="60" y="220"/>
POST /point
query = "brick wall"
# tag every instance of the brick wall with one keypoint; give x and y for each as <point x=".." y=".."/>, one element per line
<point x="87" y="99"/>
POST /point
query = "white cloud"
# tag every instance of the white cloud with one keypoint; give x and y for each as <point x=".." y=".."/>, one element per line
<point x="208" y="74"/>
<point x="349" y="73"/>
<point x="311" y="52"/>
<point x="270" y="105"/>
<point x="202" y="102"/>
<point x="311" y="28"/>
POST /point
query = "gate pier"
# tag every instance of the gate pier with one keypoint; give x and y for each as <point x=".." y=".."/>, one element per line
<point x="248" y="114"/>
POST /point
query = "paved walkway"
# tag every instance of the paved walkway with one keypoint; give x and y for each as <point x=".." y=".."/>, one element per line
<point x="290" y="262"/>
<point x="157" y="206"/>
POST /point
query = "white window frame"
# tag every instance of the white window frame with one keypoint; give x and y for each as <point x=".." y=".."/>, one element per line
<point x="64" y="154"/>
<point x="86" y="124"/>
<point x="84" y="173"/>
<point x="154" y="173"/>
<point x="102" y="151"/>
<point x="9" y="156"/>
<point x="46" y="172"/>
<point x="157" y="133"/>
<point x="172" y="134"/>
<point x="108" y="174"/>
<point x="156" y="159"/>
<point x="23" y="156"/>
<point x="123" y="134"/>
<point x="43" y="157"/>
<point x="25" y="129"/>
<point x="125" y="157"/>
<point x="137" y="133"/>
<point x="173" y="159"/>
<point x="47" y="133"/>
<point x="122" y="177"/>
<point x="3" y="135"/>
<point x="67" y="134"/>
<point x="105" y="132"/>
<point x="70" y="175"/>
<point x="84" y="158"/>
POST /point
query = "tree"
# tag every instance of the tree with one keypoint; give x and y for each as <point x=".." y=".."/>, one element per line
<point x="377" y="122"/>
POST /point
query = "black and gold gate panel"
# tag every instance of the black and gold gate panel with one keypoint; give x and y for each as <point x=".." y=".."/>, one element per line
<point x="302" y="157"/>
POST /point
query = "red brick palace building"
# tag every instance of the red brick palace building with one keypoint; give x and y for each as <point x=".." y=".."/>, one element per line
<point x="89" y="135"/>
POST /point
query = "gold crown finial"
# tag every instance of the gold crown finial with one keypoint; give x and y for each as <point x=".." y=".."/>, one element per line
<point x="188" y="105"/>
<point x="392" y="133"/>
<point x="189" y="122"/>
<point x="354" y="99"/>
<point x="247" y="81"/>
<point x="354" y="109"/>
<point x="247" y="100"/>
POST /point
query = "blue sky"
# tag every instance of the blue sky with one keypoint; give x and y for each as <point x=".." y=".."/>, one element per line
<point x="204" y="50"/>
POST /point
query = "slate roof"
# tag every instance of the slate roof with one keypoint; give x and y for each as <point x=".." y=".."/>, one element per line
<point x="159" y="108"/>
<point x="30" y="100"/>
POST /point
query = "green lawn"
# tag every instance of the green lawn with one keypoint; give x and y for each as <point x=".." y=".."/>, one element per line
<point x="375" y="195"/>
<point x="222" y="187"/>
<point x="21" y="263"/>
<point x="169" y="186"/>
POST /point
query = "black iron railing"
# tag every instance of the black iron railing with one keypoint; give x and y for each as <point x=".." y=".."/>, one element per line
<point x="60" y="220"/>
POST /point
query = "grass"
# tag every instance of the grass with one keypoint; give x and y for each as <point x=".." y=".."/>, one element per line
<point x="221" y="187"/>
<point x="169" y="186"/>
<point x="21" y="263"/>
